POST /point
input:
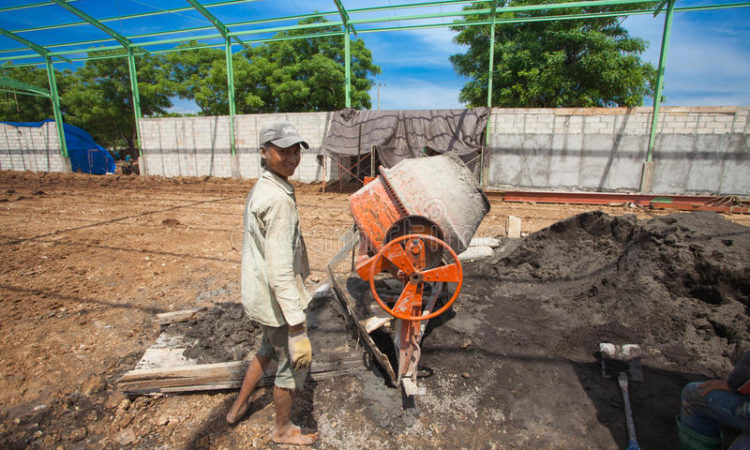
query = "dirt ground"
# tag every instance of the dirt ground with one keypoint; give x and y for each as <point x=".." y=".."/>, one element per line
<point x="88" y="261"/>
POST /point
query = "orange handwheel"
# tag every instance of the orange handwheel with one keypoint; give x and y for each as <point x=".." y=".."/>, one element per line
<point x="407" y="253"/>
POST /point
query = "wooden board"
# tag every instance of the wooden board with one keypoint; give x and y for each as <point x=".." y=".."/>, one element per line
<point x="164" y="368"/>
<point x="198" y="377"/>
<point x="176" y="316"/>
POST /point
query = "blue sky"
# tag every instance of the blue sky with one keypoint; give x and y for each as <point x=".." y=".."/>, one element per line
<point x="708" y="62"/>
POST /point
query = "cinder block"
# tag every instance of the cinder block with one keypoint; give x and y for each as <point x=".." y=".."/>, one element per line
<point x="514" y="227"/>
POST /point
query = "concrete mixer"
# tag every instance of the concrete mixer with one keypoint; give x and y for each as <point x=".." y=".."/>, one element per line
<point x="410" y="224"/>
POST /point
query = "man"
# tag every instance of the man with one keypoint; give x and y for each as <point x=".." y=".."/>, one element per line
<point x="274" y="265"/>
<point x="707" y="406"/>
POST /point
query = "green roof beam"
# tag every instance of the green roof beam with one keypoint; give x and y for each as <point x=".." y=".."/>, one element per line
<point x="410" y="5"/>
<point x="345" y="16"/>
<point x="10" y="50"/>
<point x="28" y="89"/>
<point x="288" y="28"/>
<point x="660" y="7"/>
<point x="207" y="14"/>
<point x="22" y="92"/>
<point x="166" y="33"/>
<point x="117" y="36"/>
<point x="85" y="50"/>
<point x="177" y="40"/>
<point x="36" y="47"/>
<point x="283" y="19"/>
<point x="32" y="5"/>
<point x="132" y="16"/>
<point x="216" y="22"/>
<point x="68" y="44"/>
<point x="712" y="7"/>
<point x="479" y="12"/>
<point x="13" y="58"/>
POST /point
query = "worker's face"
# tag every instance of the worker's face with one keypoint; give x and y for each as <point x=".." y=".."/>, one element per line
<point x="281" y="161"/>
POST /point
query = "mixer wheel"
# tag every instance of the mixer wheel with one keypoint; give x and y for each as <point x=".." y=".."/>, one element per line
<point x="408" y="254"/>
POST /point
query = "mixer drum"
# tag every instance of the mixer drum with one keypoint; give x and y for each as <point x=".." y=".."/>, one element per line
<point x="440" y="188"/>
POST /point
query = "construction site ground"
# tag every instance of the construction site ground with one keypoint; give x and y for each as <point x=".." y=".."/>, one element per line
<point x="88" y="261"/>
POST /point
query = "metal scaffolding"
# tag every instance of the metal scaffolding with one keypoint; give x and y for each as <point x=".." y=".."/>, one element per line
<point x="373" y="19"/>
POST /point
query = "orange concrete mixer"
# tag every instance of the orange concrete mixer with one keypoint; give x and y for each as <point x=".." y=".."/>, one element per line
<point x="412" y="222"/>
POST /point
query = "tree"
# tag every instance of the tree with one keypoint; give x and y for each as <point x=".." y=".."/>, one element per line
<point x="17" y="107"/>
<point x="582" y="62"/>
<point x="101" y="102"/>
<point x="287" y="75"/>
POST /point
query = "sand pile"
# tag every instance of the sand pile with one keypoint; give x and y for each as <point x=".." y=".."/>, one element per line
<point x="679" y="284"/>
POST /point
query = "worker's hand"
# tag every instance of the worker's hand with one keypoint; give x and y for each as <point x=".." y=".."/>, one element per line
<point x="300" y="349"/>
<point x="712" y="385"/>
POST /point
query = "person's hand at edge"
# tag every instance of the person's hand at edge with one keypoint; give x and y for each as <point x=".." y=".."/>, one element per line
<point x="713" y="385"/>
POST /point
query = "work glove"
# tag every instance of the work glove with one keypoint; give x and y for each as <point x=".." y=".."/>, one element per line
<point x="300" y="349"/>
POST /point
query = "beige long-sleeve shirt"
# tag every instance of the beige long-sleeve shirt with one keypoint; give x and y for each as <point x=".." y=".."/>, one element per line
<point x="274" y="258"/>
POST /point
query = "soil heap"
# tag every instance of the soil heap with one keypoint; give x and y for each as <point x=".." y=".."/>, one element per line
<point x="220" y="334"/>
<point x="678" y="284"/>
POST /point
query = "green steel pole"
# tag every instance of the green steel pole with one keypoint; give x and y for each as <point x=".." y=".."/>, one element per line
<point x="56" y="107"/>
<point x="660" y="76"/>
<point x="492" y="57"/>
<point x="230" y="92"/>
<point x="648" y="168"/>
<point x="136" y="97"/>
<point x="482" y="177"/>
<point x="348" y="69"/>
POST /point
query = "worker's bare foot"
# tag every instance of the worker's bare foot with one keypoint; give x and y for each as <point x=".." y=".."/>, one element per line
<point x="236" y="412"/>
<point x="293" y="435"/>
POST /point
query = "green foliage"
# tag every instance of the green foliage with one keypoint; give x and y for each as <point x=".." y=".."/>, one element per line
<point x="285" y="75"/>
<point x="581" y="62"/>
<point x="101" y="102"/>
<point x="17" y="107"/>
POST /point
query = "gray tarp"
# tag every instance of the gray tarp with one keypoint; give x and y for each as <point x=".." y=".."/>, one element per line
<point x="398" y="135"/>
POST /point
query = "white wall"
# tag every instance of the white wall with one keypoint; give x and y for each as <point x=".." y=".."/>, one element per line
<point x="29" y="148"/>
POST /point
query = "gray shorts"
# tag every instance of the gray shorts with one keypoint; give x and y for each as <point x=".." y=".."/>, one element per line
<point x="275" y="345"/>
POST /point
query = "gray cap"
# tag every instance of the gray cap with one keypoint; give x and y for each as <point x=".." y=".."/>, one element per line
<point x="281" y="134"/>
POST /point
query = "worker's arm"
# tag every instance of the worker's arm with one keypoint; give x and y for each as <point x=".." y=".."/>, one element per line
<point x="281" y="221"/>
<point x="739" y="379"/>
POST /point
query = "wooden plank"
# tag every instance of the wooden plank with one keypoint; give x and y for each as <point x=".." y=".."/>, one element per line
<point x="411" y="388"/>
<point x="219" y="376"/>
<point x="346" y="303"/>
<point x="176" y="316"/>
<point x="265" y="381"/>
<point x="376" y="321"/>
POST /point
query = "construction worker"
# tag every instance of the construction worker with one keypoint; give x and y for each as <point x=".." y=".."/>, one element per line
<point x="274" y="266"/>
<point x="708" y="405"/>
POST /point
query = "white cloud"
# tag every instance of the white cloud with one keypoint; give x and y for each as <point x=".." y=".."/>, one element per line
<point x="708" y="60"/>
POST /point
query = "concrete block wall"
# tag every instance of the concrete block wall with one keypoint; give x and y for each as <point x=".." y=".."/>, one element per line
<point x="29" y="148"/>
<point x="199" y="146"/>
<point x="697" y="149"/>
<point x="186" y="146"/>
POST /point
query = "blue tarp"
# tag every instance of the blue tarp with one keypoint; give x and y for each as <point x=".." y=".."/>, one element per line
<point x="85" y="154"/>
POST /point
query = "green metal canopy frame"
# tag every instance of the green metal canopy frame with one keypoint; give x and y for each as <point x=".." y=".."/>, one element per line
<point x="490" y="13"/>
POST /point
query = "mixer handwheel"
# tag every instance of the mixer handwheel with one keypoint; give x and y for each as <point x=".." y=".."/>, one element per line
<point x="407" y="253"/>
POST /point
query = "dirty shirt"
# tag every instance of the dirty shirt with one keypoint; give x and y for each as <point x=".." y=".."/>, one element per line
<point x="274" y="258"/>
